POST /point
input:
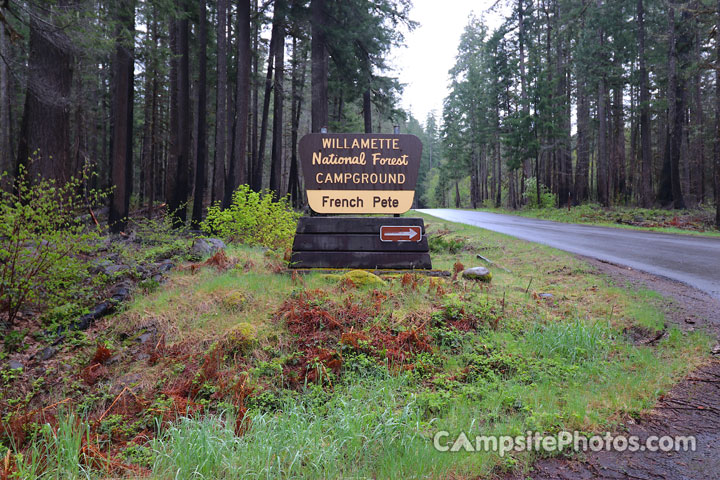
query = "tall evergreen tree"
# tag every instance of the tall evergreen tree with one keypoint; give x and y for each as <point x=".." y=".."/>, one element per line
<point x="121" y="162"/>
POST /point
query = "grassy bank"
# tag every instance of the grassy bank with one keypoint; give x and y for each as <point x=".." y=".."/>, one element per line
<point x="699" y="221"/>
<point x="234" y="369"/>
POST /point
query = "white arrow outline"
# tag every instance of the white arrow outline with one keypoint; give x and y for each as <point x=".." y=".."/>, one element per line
<point x="411" y="233"/>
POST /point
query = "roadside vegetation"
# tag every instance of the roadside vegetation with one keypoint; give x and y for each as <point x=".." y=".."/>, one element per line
<point x="228" y="366"/>
<point x="698" y="221"/>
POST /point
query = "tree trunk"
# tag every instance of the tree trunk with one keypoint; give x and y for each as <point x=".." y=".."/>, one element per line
<point x="717" y="117"/>
<point x="646" y="167"/>
<point x="179" y="194"/>
<point x="149" y="126"/>
<point x="583" y="148"/>
<point x="697" y="118"/>
<point x="45" y="131"/>
<point x="237" y="172"/>
<point x="200" y="159"/>
<point x="173" y="148"/>
<point x="260" y="160"/>
<point x="563" y="154"/>
<point x="298" y="84"/>
<point x="527" y="166"/>
<point x="121" y="164"/>
<point x="278" y="99"/>
<point x="367" y="111"/>
<point x="255" y="94"/>
<point x="221" y="115"/>
<point x="676" y="111"/>
<point x="498" y="160"/>
<point x="320" y="60"/>
<point x="5" y="145"/>
<point x="602" y="157"/>
<point x="619" y="142"/>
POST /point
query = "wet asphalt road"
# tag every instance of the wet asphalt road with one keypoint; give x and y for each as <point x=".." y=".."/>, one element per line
<point x="689" y="259"/>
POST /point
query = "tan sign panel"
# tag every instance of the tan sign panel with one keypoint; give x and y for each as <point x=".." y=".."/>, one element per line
<point x="352" y="173"/>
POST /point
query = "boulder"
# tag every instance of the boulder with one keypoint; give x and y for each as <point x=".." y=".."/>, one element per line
<point x="203" y="247"/>
<point x="477" y="273"/>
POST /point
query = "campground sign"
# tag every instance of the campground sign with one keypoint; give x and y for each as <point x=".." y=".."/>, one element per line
<point x="354" y="173"/>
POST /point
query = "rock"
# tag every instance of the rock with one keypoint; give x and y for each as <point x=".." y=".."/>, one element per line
<point x="145" y="337"/>
<point x="129" y="380"/>
<point x="114" y="359"/>
<point x="121" y="291"/>
<point x="47" y="353"/>
<point x="143" y="272"/>
<point x="477" y="273"/>
<point x="202" y="247"/>
<point x="112" y="270"/>
<point x="14" y="365"/>
<point x="100" y="265"/>
<point x="362" y="278"/>
<point x="165" y="266"/>
<point x="545" y="295"/>
<point x="638" y="219"/>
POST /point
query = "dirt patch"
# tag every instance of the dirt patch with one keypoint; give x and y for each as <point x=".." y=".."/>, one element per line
<point x="684" y="306"/>
<point x="690" y="408"/>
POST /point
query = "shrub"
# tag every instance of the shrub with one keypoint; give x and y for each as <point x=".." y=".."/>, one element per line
<point x="42" y="238"/>
<point x="547" y="199"/>
<point x="254" y="218"/>
<point x="442" y="244"/>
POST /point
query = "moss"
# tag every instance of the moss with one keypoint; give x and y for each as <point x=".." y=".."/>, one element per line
<point x="235" y="301"/>
<point x="362" y="278"/>
<point x="331" y="276"/>
<point x="242" y="337"/>
<point x="482" y="276"/>
<point x="434" y="282"/>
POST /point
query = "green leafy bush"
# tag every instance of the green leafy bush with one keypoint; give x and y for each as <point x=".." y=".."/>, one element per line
<point x="43" y="237"/>
<point x="442" y="244"/>
<point x="547" y="199"/>
<point x="254" y="219"/>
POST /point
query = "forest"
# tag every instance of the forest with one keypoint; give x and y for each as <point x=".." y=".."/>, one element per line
<point x="153" y="322"/>
<point x="178" y="103"/>
<point x="610" y="102"/>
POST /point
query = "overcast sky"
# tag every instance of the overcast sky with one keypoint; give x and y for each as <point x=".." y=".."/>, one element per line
<point x="431" y="48"/>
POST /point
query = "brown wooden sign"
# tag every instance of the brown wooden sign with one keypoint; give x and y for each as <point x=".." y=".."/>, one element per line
<point x="356" y="242"/>
<point x="354" y="173"/>
<point x="405" y="233"/>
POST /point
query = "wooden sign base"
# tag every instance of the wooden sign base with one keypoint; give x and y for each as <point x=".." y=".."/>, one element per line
<point x="354" y="242"/>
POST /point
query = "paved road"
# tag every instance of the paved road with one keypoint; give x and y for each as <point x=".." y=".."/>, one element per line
<point x="689" y="259"/>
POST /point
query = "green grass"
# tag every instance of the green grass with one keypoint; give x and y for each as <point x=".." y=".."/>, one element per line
<point x="56" y="452"/>
<point x="534" y="362"/>
<point x="370" y="428"/>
